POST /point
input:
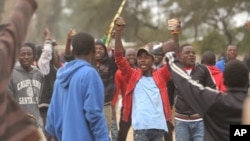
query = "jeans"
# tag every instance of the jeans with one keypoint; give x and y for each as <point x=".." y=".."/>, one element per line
<point x="148" y="135"/>
<point x="189" y="131"/>
<point x="123" y="128"/>
<point x="114" y="130"/>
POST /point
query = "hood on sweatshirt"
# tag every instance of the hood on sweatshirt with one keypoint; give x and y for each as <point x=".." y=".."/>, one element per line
<point x="19" y="68"/>
<point x="214" y="70"/>
<point x="106" y="56"/>
<point x="66" y="72"/>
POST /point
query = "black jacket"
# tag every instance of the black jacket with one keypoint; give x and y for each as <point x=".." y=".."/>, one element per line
<point x="218" y="110"/>
<point x="49" y="80"/>
<point x="201" y="74"/>
<point x="107" y="68"/>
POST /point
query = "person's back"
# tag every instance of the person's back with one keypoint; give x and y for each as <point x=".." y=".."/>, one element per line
<point x="106" y="68"/>
<point x="226" y="110"/>
<point x="75" y="97"/>
<point x="208" y="58"/>
<point x="218" y="110"/>
<point x="76" y="109"/>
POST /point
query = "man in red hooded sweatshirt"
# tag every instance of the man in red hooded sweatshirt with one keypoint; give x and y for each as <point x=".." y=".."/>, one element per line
<point x="208" y="58"/>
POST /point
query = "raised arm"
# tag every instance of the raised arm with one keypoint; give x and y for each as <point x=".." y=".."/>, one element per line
<point x="177" y="24"/>
<point x="198" y="97"/>
<point x="68" y="55"/>
<point x="46" y="56"/>
<point x="119" y="25"/>
<point x="70" y="34"/>
<point x="174" y="25"/>
<point x="15" y="123"/>
<point x="12" y="36"/>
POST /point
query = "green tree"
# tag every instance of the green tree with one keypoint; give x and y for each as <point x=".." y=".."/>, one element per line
<point x="198" y="15"/>
<point x="213" y="41"/>
<point x="146" y="20"/>
<point x="96" y="16"/>
<point x="47" y="16"/>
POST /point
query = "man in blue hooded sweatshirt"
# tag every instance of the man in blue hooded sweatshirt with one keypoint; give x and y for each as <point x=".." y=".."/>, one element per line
<point x="76" y="108"/>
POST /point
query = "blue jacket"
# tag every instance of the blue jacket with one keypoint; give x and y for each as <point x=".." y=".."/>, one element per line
<point x="220" y="64"/>
<point x="76" y="109"/>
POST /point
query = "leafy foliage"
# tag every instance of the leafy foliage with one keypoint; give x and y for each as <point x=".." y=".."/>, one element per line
<point x="208" y="20"/>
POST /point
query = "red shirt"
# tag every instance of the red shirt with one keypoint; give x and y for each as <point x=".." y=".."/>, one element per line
<point x="217" y="76"/>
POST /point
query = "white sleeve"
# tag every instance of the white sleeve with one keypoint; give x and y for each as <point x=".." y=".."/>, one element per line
<point x="45" y="58"/>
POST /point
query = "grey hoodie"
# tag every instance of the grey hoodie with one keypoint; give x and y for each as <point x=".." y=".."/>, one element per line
<point x="26" y="88"/>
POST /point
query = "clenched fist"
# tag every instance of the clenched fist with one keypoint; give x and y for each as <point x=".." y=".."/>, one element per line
<point x="71" y="33"/>
<point x="174" y="25"/>
<point x="119" y="23"/>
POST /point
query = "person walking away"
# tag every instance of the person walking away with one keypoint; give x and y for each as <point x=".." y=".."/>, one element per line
<point x="208" y="58"/>
<point x="78" y="98"/>
<point x="106" y="68"/>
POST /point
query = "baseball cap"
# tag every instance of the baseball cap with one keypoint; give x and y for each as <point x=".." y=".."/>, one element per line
<point x="152" y="48"/>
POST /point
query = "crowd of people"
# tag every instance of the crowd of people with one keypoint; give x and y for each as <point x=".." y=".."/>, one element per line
<point x="165" y="91"/>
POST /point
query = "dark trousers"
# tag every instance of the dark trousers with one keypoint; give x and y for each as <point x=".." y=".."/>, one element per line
<point x="123" y="128"/>
<point x="148" y="135"/>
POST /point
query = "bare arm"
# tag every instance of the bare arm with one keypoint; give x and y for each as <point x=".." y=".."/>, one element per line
<point x="191" y="89"/>
<point x="70" y="34"/>
<point x="46" y="56"/>
<point x="119" y="25"/>
<point x="176" y="40"/>
<point x="173" y="44"/>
